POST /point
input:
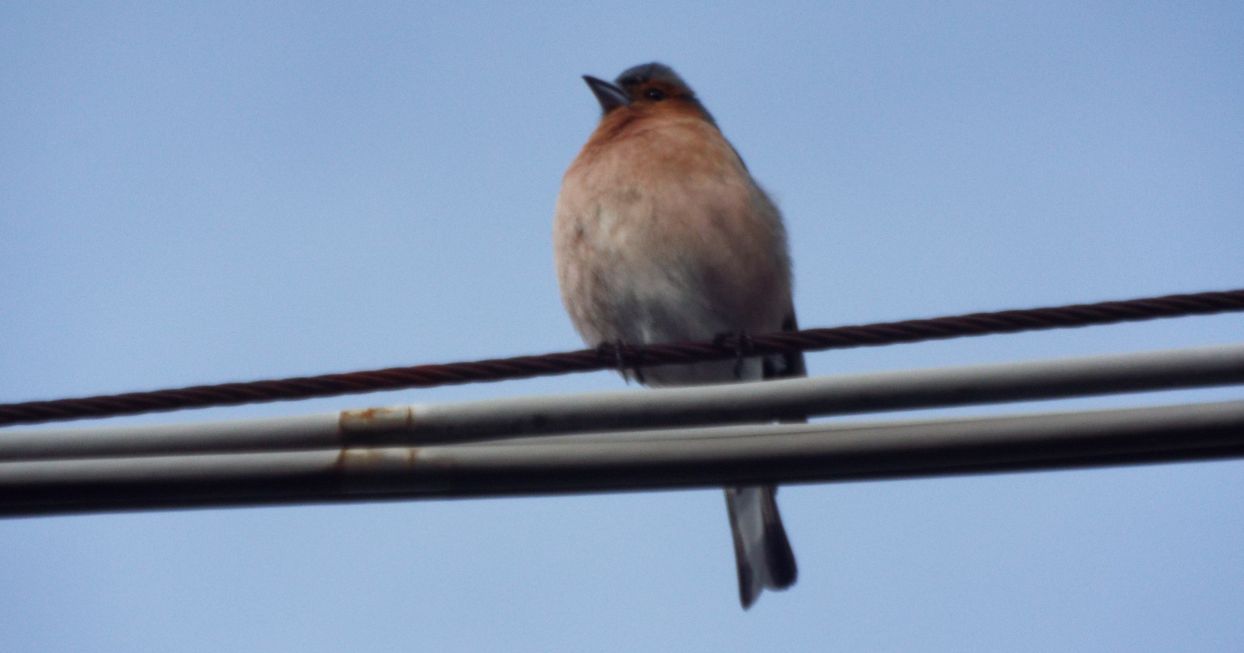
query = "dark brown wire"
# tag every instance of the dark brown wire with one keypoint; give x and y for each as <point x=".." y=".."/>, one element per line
<point x="614" y="356"/>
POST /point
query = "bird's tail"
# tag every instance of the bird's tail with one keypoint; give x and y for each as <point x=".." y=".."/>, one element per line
<point x="761" y="548"/>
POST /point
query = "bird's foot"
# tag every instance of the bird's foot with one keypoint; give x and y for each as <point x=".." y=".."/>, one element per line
<point x="618" y="349"/>
<point x="742" y="344"/>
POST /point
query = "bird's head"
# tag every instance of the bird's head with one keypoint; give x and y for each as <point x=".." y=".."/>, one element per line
<point x="650" y="88"/>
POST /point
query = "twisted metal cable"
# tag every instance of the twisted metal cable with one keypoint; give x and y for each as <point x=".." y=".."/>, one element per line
<point x="612" y="356"/>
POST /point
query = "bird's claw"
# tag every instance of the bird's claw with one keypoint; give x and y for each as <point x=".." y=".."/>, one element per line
<point x="618" y="350"/>
<point x="742" y="344"/>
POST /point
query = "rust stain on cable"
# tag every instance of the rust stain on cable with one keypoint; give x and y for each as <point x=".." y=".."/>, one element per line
<point x="373" y="420"/>
<point x="374" y="459"/>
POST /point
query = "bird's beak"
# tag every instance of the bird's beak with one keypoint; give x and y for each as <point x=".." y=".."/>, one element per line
<point x="609" y="95"/>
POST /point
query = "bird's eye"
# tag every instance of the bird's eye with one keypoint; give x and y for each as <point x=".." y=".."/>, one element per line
<point x="654" y="94"/>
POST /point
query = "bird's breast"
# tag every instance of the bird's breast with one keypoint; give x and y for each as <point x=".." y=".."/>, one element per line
<point x="662" y="235"/>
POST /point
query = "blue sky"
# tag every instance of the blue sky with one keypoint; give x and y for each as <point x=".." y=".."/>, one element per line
<point x="196" y="193"/>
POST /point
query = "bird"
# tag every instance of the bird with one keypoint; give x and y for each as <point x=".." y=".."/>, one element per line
<point x="660" y="234"/>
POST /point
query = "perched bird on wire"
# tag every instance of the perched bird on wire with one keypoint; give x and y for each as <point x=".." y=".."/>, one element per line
<point x="662" y="235"/>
